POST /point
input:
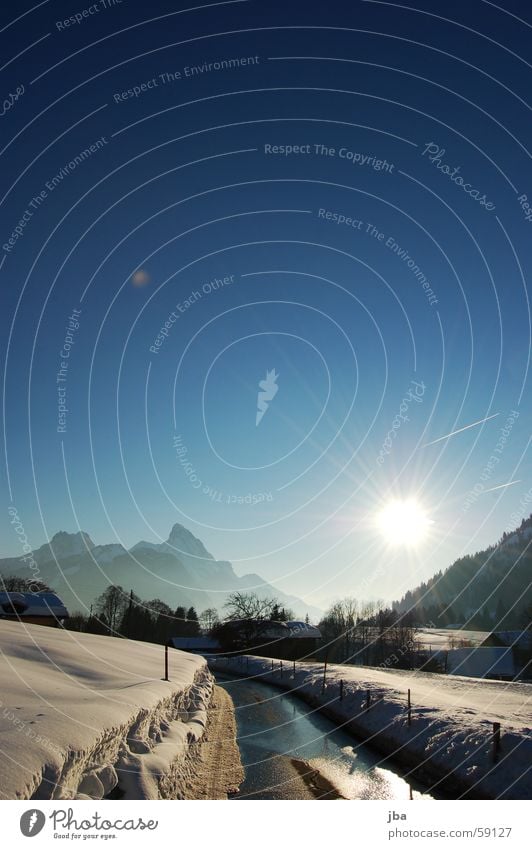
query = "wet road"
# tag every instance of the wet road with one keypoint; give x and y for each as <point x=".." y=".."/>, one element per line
<point x="290" y="751"/>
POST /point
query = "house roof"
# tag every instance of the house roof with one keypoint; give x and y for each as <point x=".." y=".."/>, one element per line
<point x="519" y="639"/>
<point x="303" y="630"/>
<point x="22" y="605"/>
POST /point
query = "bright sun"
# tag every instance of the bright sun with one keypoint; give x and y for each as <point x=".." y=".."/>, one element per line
<point x="403" y="523"/>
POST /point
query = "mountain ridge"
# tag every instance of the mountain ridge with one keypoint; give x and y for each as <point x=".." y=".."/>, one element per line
<point x="487" y="590"/>
<point x="179" y="570"/>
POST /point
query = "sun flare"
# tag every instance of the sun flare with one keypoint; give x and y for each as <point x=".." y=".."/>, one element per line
<point x="403" y="522"/>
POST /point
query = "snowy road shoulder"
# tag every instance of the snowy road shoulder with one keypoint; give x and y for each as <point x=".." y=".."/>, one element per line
<point x="83" y="716"/>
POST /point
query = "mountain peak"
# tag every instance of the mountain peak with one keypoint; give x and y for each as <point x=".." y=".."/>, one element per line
<point x="183" y="541"/>
<point x="64" y="544"/>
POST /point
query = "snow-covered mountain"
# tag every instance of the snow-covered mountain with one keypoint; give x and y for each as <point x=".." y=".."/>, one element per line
<point x="179" y="571"/>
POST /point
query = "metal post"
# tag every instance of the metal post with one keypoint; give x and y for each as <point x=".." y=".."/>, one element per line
<point x="496" y="740"/>
<point x="166" y="678"/>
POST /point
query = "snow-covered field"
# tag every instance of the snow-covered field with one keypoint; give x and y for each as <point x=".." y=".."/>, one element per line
<point x="446" y="638"/>
<point x="81" y="715"/>
<point x="451" y="733"/>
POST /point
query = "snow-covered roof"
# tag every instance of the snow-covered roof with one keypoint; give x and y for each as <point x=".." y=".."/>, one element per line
<point x="15" y="605"/>
<point x="301" y="630"/>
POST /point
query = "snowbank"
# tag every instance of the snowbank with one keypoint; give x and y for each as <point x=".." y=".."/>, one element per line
<point x="82" y="715"/>
<point x="450" y="740"/>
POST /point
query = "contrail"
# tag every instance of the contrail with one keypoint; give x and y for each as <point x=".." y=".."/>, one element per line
<point x="447" y="435"/>
<point x="501" y="486"/>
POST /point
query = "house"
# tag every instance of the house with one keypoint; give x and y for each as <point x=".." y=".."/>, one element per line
<point x="34" y="608"/>
<point x="519" y="643"/>
<point x="270" y="638"/>
<point x="516" y="639"/>
<point x="492" y="662"/>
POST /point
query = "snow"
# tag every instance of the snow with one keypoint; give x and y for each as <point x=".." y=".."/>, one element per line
<point x="445" y="637"/>
<point x="480" y="662"/>
<point x="81" y="713"/>
<point x="452" y="716"/>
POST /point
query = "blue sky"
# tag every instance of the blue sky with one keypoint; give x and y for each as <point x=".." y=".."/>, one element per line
<point x="181" y="187"/>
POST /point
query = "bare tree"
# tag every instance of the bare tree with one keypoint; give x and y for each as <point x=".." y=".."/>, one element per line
<point x="249" y="606"/>
<point x="209" y="618"/>
<point x="338" y="626"/>
<point x="111" y="605"/>
<point x="15" y="584"/>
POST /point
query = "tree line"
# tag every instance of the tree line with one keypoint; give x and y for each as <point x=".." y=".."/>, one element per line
<point x="368" y="633"/>
<point x="121" y="614"/>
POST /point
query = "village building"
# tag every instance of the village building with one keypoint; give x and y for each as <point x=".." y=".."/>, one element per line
<point x="33" y="608"/>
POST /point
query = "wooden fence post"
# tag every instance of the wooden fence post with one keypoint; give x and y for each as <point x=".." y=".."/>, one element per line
<point x="281" y="670"/>
<point x="324" y="675"/>
<point x="294" y="670"/>
<point x="341" y="689"/>
<point x="496" y="740"/>
<point x="409" y="709"/>
<point x="166" y="678"/>
<point x="368" y="699"/>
